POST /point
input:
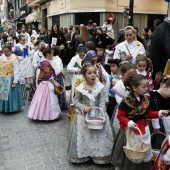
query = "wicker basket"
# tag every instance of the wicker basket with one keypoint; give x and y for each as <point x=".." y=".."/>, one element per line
<point x="98" y="121"/>
<point x="135" y="153"/>
<point x="155" y="151"/>
<point x="59" y="89"/>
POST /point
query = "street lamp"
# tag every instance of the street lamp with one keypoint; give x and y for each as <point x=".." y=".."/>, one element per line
<point x="131" y="3"/>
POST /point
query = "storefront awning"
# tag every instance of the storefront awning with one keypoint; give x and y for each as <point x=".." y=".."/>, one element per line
<point x="33" y="17"/>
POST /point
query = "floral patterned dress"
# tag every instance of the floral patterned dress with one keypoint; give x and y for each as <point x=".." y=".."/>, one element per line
<point x="84" y="143"/>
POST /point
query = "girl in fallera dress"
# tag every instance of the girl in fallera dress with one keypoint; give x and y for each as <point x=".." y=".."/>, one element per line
<point x="133" y="112"/>
<point x="44" y="105"/>
<point x="10" y="41"/>
<point x="84" y="143"/>
<point x="38" y="55"/>
<point x="160" y="100"/>
<point x="75" y="66"/>
<point x="36" y="59"/>
<point x="141" y="65"/>
<point x="57" y="64"/>
<point x="25" y="67"/>
<point x="11" y="98"/>
<point x="102" y="75"/>
<point x="121" y="91"/>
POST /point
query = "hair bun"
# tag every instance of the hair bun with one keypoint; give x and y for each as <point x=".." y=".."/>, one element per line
<point x="80" y="45"/>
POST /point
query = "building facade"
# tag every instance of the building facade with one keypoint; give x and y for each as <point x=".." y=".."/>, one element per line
<point x="70" y="12"/>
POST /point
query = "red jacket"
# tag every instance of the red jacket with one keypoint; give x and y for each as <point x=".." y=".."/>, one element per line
<point x="123" y="120"/>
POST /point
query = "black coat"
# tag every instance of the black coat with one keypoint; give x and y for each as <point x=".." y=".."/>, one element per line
<point x="60" y="39"/>
<point x="160" y="47"/>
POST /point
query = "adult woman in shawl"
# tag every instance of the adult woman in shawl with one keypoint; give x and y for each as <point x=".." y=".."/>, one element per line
<point x="57" y="38"/>
<point x="130" y="48"/>
<point x="84" y="36"/>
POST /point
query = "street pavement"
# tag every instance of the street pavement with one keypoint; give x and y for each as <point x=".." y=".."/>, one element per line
<point x="37" y="145"/>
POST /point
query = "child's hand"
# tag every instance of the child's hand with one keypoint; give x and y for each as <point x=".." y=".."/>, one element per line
<point x="134" y="126"/>
<point x="64" y="76"/>
<point x="128" y="57"/>
<point x="156" y="131"/>
<point x="61" y="47"/>
<point x="88" y="109"/>
<point x="14" y="84"/>
<point x="123" y="62"/>
<point x="165" y="112"/>
<point x="56" y="84"/>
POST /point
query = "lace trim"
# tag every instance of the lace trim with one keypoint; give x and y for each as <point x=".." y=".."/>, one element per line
<point x="91" y="94"/>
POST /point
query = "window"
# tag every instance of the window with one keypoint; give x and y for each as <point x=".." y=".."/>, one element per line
<point x="83" y="18"/>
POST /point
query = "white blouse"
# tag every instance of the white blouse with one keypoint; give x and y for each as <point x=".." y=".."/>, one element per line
<point x="123" y="49"/>
<point x="57" y="64"/>
<point x="37" y="58"/>
<point x="71" y="66"/>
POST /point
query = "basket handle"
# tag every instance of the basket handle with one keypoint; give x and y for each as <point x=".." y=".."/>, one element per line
<point x="158" y="133"/>
<point x="100" y="110"/>
<point x="129" y="133"/>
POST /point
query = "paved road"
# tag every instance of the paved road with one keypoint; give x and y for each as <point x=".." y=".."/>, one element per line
<point x="35" y="145"/>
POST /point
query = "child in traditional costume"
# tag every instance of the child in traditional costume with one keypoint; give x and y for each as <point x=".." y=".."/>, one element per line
<point x="44" y="105"/>
<point x="85" y="143"/>
<point x="36" y="59"/>
<point x="11" y="98"/>
<point x="38" y="55"/>
<point x="114" y="77"/>
<point x="160" y="100"/>
<point x="75" y="66"/>
<point x="133" y="112"/>
<point x="23" y="52"/>
<point x="80" y="79"/>
<point x="121" y="91"/>
<point x="141" y="65"/>
<point x="102" y="75"/>
<point x="57" y="64"/>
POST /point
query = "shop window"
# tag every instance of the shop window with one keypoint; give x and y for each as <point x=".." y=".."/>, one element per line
<point x="56" y="19"/>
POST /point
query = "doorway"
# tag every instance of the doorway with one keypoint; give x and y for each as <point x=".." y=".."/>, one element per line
<point x="153" y="17"/>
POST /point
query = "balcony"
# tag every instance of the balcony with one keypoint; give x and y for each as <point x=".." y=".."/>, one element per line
<point x="36" y="3"/>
